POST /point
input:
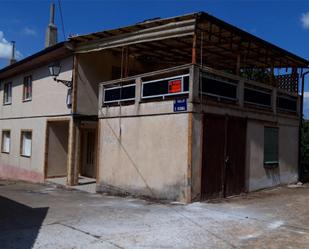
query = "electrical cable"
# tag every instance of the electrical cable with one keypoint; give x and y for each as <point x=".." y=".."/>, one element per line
<point x="61" y="18"/>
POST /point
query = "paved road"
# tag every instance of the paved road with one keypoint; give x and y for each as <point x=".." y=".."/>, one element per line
<point x="42" y="216"/>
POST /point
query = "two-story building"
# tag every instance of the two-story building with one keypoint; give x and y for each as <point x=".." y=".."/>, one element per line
<point x="182" y="108"/>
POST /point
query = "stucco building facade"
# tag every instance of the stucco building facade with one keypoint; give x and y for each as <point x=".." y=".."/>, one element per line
<point x="183" y="108"/>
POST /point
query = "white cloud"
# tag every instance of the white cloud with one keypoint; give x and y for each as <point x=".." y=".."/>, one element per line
<point x="29" y="31"/>
<point x="305" y="20"/>
<point x="6" y="48"/>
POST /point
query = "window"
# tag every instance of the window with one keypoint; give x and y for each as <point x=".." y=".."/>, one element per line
<point x="6" y="141"/>
<point x="287" y="103"/>
<point x="176" y="85"/>
<point x="7" y="93"/>
<point x="218" y="87"/>
<point x="257" y="96"/>
<point x="271" y="135"/>
<point x="26" y="143"/>
<point x="27" y="90"/>
<point x="119" y="93"/>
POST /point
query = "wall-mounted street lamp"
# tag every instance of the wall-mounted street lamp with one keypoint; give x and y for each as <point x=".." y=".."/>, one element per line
<point x="54" y="71"/>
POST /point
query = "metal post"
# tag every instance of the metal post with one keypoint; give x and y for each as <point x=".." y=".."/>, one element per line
<point x="301" y="118"/>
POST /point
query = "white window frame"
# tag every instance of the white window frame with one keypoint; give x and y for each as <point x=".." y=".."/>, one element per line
<point x="6" y="148"/>
<point x="25" y="152"/>
<point x="181" y="77"/>
<point x="7" y="93"/>
<point x="117" y="87"/>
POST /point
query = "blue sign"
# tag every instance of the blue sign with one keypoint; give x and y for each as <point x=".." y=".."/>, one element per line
<point x="180" y="105"/>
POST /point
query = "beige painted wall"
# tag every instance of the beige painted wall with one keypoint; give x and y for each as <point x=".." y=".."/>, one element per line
<point x="48" y="99"/>
<point x="258" y="176"/>
<point x="48" y="96"/>
<point x="13" y="165"/>
<point x="149" y="152"/>
<point x="94" y="68"/>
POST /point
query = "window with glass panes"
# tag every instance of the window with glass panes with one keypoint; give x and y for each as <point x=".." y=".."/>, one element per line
<point x="27" y="90"/>
<point x="7" y="93"/>
<point x="26" y="143"/>
<point x="6" y="141"/>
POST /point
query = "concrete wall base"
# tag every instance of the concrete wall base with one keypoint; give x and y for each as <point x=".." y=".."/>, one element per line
<point x="145" y="193"/>
<point x="9" y="172"/>
<point x="273" y="179"/>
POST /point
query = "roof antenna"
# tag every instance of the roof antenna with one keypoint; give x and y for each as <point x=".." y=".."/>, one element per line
<point x="51" y="37"/>
<point x="13" y="59"/>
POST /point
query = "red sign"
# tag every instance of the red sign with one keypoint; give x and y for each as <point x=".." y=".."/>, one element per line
<point x="174" y="86"/>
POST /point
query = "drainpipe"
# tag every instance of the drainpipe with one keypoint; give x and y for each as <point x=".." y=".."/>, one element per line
<point x="301" y="121"/>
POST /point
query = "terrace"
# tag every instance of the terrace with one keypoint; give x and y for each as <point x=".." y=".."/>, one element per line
<point x="196" y="56"/>
<point x="201" y="85"/>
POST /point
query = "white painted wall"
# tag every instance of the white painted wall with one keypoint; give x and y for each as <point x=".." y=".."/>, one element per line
<point x="258" y="176"/>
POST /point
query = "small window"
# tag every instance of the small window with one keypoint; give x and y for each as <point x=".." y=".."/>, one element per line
<point x="7" y="93"/>
<point x="6" y="141"/>
<point x="271" y="137"/>
<point x="176" y="85"/>
<point x="26" y="143"/>
<point x="287" y="103"/>
<point x="257" y="96"/>
<point x="119" y="93"/>
<point x="217" y="87"/>
<point x="27" y="90"/>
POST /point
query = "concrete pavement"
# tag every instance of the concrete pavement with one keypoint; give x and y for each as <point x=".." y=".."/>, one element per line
<point x="43" y="216"/>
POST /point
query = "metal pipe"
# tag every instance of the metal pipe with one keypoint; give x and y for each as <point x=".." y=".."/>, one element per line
<point x="301" y="117"/>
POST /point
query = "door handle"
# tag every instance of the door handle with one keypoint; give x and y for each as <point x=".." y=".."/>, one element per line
<point x="226" y="160"/>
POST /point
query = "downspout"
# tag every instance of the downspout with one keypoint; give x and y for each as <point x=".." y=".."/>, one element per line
<point x="301" y="120"/>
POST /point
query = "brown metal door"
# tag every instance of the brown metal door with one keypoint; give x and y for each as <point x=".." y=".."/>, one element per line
<point x="223" y="167"/>
<point x="235" y="156"/>
<point x="213" y="156"/>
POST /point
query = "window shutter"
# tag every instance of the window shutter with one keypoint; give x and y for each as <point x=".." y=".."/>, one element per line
<point x="271" y="145"/>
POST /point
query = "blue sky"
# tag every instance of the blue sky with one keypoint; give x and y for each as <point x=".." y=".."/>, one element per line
<point x="282" y="22"/>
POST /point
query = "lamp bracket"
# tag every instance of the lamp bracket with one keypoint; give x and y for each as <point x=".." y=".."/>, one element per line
<point x="67" y="83"/>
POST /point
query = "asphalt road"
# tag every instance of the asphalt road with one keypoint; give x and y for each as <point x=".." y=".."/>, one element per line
<point x="43" y="216"/>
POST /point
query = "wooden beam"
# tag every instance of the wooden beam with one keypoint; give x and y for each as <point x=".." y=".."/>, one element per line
<point x="177" y="29"/>
<point x="194" y="49"/>
<point x="238" y="65"/>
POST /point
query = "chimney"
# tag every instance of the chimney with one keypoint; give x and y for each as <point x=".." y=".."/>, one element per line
<point x="51" y="32"/>
<point x="13" y="59"/>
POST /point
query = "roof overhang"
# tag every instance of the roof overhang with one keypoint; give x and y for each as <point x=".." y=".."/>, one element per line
<point x="44" y="57"/>
<point x="217" y="42"/>
<point x="162" y="32"/>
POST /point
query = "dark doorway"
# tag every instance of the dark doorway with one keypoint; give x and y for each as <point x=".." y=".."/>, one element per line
<point x="88" y="153"/>
<point x="224" y="154"/>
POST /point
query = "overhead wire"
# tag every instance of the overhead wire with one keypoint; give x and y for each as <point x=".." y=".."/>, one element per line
<point x="61" y="19"/>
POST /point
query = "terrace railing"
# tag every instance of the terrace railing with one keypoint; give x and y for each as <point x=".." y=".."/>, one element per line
<point x="199" y="84"/>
